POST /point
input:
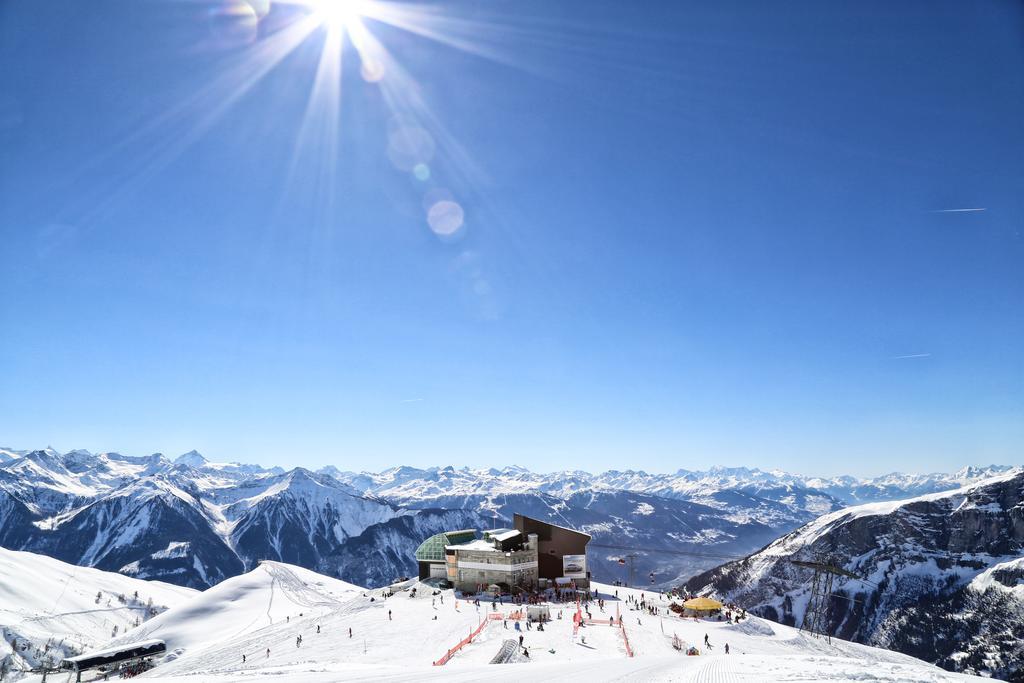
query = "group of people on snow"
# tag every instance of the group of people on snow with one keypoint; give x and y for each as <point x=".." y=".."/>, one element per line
<point x="584" y="600"/>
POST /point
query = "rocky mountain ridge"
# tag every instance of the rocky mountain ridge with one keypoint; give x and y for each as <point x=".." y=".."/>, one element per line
<point x="940" y="576"/>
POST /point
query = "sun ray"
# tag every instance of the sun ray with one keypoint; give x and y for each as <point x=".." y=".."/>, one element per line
<point x="169" y="134"/>
<point x="318" y="132"/>
<point x="428" y="23"/>
<point x="405" y="100"/>
<point x="317" y="138"/>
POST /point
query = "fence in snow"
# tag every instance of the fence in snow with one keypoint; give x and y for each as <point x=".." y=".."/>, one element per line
<point x="493" y="616"/>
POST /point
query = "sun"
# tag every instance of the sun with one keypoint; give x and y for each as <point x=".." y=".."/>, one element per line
<point x="337" y="13"/>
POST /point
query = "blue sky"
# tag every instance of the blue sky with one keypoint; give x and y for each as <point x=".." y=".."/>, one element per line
<point x="694" y="234"/>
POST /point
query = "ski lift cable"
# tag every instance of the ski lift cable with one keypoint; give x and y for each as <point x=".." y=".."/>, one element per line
<point x="838" y="571"/>
<point x="685" y="553"/>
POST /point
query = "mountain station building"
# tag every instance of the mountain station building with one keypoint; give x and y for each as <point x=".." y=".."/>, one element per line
<point x="532" y="554"/>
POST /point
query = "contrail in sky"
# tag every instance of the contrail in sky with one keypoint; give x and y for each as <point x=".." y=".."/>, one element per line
<point x="971" y="210"/>
<point x="913" y="355"/>
<point x="410" y="400"/>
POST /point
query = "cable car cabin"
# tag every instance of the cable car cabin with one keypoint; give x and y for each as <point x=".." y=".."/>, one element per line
<point x="128" y="655"/>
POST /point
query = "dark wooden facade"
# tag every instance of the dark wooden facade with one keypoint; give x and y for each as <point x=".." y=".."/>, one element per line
<point x="552" y="543"/>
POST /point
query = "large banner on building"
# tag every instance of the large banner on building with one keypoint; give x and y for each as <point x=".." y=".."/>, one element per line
<point x="574" y="566"/>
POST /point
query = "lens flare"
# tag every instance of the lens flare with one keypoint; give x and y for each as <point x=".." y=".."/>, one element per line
<point x="371" y="70"/>
<point x="260" y="7"/>
<point x="409" y="146"/>
<point x="445" y="218"/>
<point x="233" y="24"/>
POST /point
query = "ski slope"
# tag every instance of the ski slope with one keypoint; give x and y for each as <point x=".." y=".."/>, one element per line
<point x="53" y="609"/>
<point x="270" y="607"/>
<point x="244" y="609"/>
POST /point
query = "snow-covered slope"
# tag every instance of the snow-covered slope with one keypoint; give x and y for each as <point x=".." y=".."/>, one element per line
<point x="262" y="614"/>
<point x="8" y="454"/>
<point x="943" y="575"/>
<point x="49" y="609"/>
<point x="232" y="610"/>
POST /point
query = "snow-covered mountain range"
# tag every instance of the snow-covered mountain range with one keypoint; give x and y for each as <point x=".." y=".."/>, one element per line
<point x="941" y="576"/>
<point x="193" y="522"/>
<point x="814" y="494"/>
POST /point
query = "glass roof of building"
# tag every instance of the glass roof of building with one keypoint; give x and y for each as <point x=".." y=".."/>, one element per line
<point x="432" y="549"/>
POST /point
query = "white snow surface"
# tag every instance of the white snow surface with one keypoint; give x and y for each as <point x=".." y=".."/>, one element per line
<point x="44" y="601"/>
<point x="8" y="454"/>
<point x="272" y="593"/>
<point x="986" y="579"/>
<point x="398" y="638"/>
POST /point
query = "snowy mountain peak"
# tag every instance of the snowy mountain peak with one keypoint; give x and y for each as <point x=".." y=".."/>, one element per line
<point x="80" y="460"/>
<point x="742" y="473"/>
<point x="973" y="472"/>
<point x="193" y="459"/>
<point x="46" y="460"/>
<point x="302" y="480"/>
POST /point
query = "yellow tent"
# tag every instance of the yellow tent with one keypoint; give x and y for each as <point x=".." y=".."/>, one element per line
<point x="702" y="604"/>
